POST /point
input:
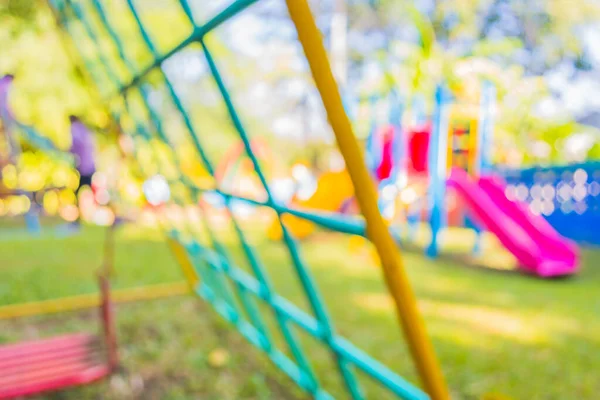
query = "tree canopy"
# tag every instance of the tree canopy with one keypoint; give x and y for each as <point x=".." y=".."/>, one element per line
<point x="413" y="44"/>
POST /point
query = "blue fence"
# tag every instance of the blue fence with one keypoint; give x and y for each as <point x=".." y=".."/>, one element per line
<point x="567" y="196"/>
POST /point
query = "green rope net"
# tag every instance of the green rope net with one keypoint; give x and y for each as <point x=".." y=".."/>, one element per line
<point x="131" y="75"/>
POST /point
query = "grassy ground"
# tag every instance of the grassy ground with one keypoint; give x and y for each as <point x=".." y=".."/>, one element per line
<point x="494" y="332"/>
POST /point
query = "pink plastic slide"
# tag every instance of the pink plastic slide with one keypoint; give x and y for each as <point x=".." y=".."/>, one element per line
<point x="539" y="249"/>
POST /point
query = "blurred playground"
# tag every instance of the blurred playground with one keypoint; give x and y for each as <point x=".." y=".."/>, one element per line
<point x="480" y="322"/>
<point x="289" y="199"/>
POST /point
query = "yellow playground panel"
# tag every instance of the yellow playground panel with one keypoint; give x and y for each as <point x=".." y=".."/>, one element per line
<point x="462" y="136"/>
<point x="333" y="189"/>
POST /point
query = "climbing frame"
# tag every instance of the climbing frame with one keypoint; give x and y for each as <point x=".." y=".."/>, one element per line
<point x="241" y="295"/>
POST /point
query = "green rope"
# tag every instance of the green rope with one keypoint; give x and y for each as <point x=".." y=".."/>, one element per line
<point x="222" y="281"/>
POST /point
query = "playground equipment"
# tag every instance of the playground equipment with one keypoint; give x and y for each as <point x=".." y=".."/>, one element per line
<point x="35" y="367"/>
<point x="538" y="247"/>
<point x="568" y="196"/>
<point x="450" y="146"/>
<point x="219" y="277"/>
<point x="432" y="157"/>
<point x="333" y="189"/>
<point x="457" y="145"/>
<point x="334" y="192"/>
<point x="386" y="143"/>
<point x="453" y="151"/>
<point x="236" y="174"/>
<point x="76" y="302"/>
<point x="91" y="300"/>
<point x="235" y="171"/>
<point x="526" y="236"/>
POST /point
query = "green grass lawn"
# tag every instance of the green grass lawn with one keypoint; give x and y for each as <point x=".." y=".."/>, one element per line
<point x="494" y="332"/>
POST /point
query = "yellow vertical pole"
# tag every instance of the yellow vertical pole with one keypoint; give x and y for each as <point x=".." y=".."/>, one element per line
<point x="450" y="141"/>
<point x="473" y="140"/>
<point x="184" y="262"/>
<point x="450" y="150"/>
<point x="395" y="276"/>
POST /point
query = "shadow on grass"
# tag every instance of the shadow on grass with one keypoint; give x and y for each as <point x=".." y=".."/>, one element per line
<point x="521" y="336"/>
<point x="494" y="332"/>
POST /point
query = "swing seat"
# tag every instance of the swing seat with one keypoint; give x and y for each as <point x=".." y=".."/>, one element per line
<point x="39" y="366"/>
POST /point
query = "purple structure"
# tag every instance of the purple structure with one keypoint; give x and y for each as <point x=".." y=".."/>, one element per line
<point x="82" y="147"/>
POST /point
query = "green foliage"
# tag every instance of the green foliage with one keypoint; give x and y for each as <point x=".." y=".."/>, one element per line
<point x="548" y="28"/>
<point x="454" y="46"/>
<point x="502" y="47"/>
<point x="594" y="152"/>
<point x="47" y="87"/>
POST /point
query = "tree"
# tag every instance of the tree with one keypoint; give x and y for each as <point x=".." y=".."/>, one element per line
<point x="32" y="50"/>
<point x="509" y="42"/>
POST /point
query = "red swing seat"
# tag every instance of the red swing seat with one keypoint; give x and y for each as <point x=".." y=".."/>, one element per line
<point x="45" y="365"/>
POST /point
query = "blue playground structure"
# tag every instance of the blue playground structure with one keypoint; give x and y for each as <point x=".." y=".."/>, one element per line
<point x="567" y="196"/>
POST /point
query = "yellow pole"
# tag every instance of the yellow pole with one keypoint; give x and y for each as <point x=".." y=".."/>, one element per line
<point x="85" y="301"/>
<point x="450" y="148"/>
<point x="92" y="300"/>
<point x="184" y="262"/>
<point x="394" y="273"/>
<point x="472" y="149"/>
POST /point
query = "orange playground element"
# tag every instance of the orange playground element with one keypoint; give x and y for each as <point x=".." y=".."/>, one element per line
<point x="333" y="189"/>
